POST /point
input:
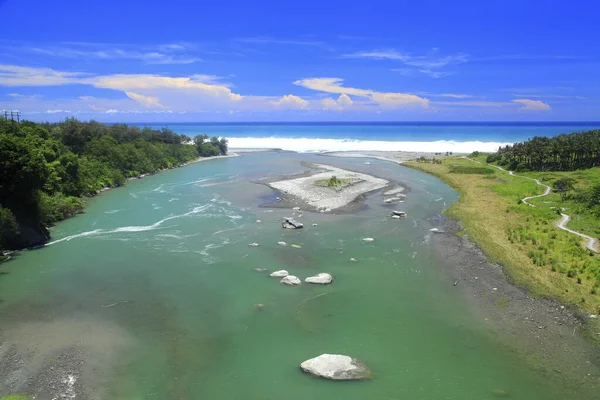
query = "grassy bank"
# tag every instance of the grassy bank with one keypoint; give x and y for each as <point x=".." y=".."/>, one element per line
<point x="535" y="254"/>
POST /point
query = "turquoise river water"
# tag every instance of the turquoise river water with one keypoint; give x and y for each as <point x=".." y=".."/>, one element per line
<point x="155" y="282"/>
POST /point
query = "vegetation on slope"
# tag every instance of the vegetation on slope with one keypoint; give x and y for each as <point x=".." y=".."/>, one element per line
<point x="549" y="261"/>
<point x="46" y="169"/>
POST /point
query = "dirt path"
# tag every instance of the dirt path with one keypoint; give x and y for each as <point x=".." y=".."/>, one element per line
<point x="591" y="242"/>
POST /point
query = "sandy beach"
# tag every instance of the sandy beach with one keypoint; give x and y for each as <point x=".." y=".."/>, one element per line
<point x="397" y="157"/>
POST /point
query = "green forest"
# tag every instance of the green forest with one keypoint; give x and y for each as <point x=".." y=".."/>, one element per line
<point x="566" y="152"/>
<point x="47" y="170"/>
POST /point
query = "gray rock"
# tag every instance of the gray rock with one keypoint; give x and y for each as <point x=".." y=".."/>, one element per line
<point x="336" y="367"/>
<point x="291" y="223"/>
<point x="322" y="279"/>
<point x="291" y="280"/>
<point x="279" y="274"/>
<point x="368" y="240"/>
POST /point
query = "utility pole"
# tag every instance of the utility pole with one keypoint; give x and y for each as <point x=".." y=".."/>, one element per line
<point x="12" y="115"/>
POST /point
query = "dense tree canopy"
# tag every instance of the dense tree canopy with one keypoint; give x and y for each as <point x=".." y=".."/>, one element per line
<point x="565" y="152"/>
<point x="45" y="169"/>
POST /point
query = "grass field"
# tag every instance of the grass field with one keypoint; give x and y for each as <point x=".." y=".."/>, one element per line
<point x="535" y="254"/>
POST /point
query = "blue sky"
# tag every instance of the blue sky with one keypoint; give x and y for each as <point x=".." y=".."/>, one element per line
<point x="300" y="61"/>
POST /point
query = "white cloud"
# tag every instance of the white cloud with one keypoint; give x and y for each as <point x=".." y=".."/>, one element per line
<point x="13" y="75"/>
<point x="150" y="90"/>
<point x="342" y="102"/>
<point x="527" y="104"/>
<point x="270" y="40"/>
<point x="57" y="111"/>
<point x="532" y="105"/>
<point x="428" y="64"/>
<point x="161" y="54"/>
<point x="434" y="74"/>
<point x="474" y="103"/>
<point x="111" y="111"/>
<point x="550" y="96"/>
<point x="454" y="95"/>
<point x="384" y="99"/>
<point x="146" y="101"/>
<point x="431" y="60"/>
<point x="291" y="101"/>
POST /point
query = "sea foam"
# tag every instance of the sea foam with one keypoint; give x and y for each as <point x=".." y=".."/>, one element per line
<point x="319" y="145"/>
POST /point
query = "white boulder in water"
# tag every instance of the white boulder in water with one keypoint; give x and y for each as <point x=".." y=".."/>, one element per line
<point x="254" y="244"/>
<point x="290" y="223"/>
<point x="396" y="217"/>
<point x="321" y="279"/>
<point x="435" y="230"/>
<point x="396" y="199"/>
<point x="282" y="243"/>
<point x="353" y="259"/>
<point x="279" y="274"/>
<point x="291" y="280"/>
<point x="368" y="240"/>
<point x="336" y="367"/>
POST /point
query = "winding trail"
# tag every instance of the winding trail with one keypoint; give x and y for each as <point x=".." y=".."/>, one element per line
<point x="591" y="242"/>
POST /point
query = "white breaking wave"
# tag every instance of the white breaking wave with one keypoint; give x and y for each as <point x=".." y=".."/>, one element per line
<point x="317" y="145"/>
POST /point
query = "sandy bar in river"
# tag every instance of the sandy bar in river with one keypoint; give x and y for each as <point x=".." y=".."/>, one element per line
<point x="322" y="198"/>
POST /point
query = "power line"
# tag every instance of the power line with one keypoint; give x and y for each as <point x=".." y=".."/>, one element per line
<point x="12" y="115"/>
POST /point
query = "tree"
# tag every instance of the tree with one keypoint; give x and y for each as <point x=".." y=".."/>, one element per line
<point x="565" y="152"/>
<point x="209" y="150"/>
<point x="563" y="186"/>
<point x="223" y="146"/>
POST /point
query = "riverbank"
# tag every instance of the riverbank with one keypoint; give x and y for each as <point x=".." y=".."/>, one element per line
<point x="517" y="236"/>
<point x="39" y="238"/>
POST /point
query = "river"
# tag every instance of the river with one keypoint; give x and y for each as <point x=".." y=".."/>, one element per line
<point x="153" y="290"/>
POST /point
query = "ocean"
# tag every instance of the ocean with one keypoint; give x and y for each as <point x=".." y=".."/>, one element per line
<point x="458" y="137"/>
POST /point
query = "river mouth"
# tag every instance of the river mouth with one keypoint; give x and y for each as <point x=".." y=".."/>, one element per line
<point x="152" y="293"/>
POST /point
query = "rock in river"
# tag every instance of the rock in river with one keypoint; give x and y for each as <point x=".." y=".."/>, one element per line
<point x="368" y="240"/>
<point x="282" y="243"/>
<point x="290" y="223"/>
<point x="254" y="244"/>
<point x="291" y="280"/>
<point x="279" y="274"/>
<point x="336" y="367"/>
<point x="322" y="279"/>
